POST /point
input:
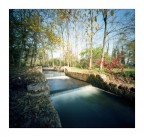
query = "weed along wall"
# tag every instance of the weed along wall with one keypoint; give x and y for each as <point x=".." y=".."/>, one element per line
<point x="104" y="82"/>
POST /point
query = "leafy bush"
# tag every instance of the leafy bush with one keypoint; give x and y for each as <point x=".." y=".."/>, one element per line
<point x="114" y="63"/>
<point x="128" y="74"/>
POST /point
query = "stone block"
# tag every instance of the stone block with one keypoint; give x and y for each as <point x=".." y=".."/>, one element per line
<point x="35" y="87"/>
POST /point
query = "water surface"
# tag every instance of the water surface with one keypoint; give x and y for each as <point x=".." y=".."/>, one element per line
<point x="79" y="104"/>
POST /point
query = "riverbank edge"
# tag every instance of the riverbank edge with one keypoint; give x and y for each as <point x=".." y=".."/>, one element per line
<point x="102" y="81"/>
<point x="26" y="109"/>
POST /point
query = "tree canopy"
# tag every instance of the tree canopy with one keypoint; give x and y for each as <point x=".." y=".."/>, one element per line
<point x="72" y="37"/>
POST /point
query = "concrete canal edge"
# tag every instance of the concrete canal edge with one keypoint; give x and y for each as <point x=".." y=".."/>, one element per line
<point x="41" y="89"/>
<point x="30" y="104"/>
<point x="103" y="81"/>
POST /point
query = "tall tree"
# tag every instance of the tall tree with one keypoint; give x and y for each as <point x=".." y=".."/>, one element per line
<point x="105" y="19"/>
<point x="91" y="36"/>
<point x="104" y="13"/>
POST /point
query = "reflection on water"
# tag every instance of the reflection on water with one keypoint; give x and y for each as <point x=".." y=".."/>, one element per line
<point x="87" y="106"/>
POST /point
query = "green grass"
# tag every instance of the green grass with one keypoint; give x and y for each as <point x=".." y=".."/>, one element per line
<point x="125" y="70"/>
<point x="128" y="72"/>
<point x="75" y="69"/>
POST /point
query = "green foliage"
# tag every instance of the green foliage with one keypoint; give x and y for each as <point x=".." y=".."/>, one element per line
<point x="128" y="49"/>
<point x="128" y="74"/>
<point x="30" y="37"/>
<point x="56" y="62"/>
<point x="52" y="37"/>
<point x="96" y="55"/>
<point x="84" y="63"/>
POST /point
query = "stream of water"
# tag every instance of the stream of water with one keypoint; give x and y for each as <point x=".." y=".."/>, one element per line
<point x="80" y="105"/>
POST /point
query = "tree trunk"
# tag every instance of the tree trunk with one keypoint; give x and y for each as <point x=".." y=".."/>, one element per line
<point x="23" y="33"/>
<point x="31" y="61"/>
<point x="90" y="63"/>
<point x="128" y="59"/>
<point x="123" y="57"/>
<point x="60" y="55"/>
<point x="32" y="55"/>
<point x="68" y="46"/>
<point x="68" y="63"/>
<point x="104" y="39"/>
<point x="76" y="40"/>
<point x="91" y="45"/>
<point x="26" y="57"/>
<point x="35" y="57"/>
<point x="62" y="31"/>
<point x="32" y="58"/>
<point x="108" y="48"/>
<point x="52" y="59"/>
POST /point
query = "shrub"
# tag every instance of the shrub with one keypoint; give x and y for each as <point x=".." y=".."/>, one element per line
<point x="114" y="63"/>
<point x="129" y="74"/>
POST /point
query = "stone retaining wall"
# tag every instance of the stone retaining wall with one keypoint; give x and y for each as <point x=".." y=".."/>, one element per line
<point x="76" y="75"/>
<point x="51" y="117"/>
<point x="103" y="81"/>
